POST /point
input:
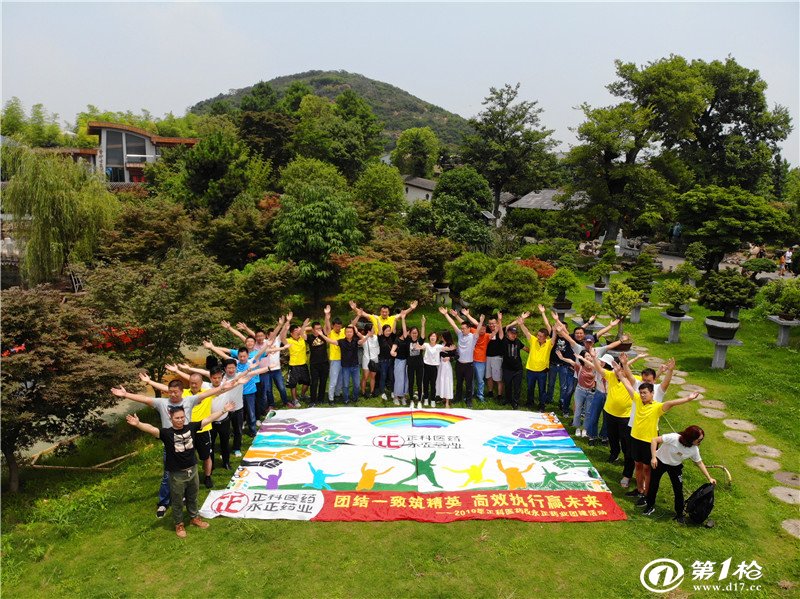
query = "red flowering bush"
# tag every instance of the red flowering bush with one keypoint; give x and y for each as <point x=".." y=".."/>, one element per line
<point x="545" y="270"/>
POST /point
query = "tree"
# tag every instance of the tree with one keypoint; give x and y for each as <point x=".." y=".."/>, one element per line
<point x="303" y="171"/>
<point x="243" y="235"/>
<point x="508" y="139"/>
<point x="510" y="288"/>
<point x="460" y="220"/>
<point x="145" y="231"/>
<point x="724" y="218"/>
<point x="219" y="169"/>
<point x="174" y="303"/>
<point x="411" y="256"/>
<point x="611" y="182"/>
<point x="54" y="387"/>
<point x="416" y="152"/>
<point x="268" y="135"/>
<point x="619" y="301"/>
<point x="344" y="133"/>
<point x="262" y="290"/>
<point x="60" y="209"/>
<point x="310" y="227"/>
<point x="714" y="115"/>
<point x="13" y="122"/>
<point x="260" y="98"/>
<point x="370" y="283"/>
<point x="293" y="96"/>
<point x="378" y="193"/>
<point x="466" y="184"/>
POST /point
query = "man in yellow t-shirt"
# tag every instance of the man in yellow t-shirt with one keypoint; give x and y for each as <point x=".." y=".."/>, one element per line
<point x="298" y="360"/>
<point x="538" y="357"/>
<point x="202" y="438"/>
<point x="645" y="424"/>
<point x="617" y="412"/>
<point x="383" y="317"/>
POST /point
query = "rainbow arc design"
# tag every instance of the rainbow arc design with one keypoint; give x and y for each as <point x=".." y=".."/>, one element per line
<point x="416" y="419"/>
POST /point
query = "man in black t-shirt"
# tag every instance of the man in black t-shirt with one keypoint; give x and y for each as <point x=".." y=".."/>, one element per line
<point x="318" y="361"/>
<point x="512" y="363"/>
<point x="350" y="367"/>
<point x="181" y="461"/>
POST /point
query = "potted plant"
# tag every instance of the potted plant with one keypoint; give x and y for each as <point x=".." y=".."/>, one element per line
<point x="599" y="273"/>
<point x="757" y="265"/>
<point x="676" y="294"/>
<point x="586" y="310"/>
<point x="687" y="272"/>
<point x="619" y="302"/>
<point x="789" y="302"/>
<point x="696" y="254"/>
<point x="726" y="291"/>
<point x="563" y="281"/>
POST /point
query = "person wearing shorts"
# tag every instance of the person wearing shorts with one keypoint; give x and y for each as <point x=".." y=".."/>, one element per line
<point x="494" y="359"/>
<point x="298" y="361"/>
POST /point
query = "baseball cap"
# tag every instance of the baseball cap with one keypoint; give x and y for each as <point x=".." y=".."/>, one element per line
<point x="589" y="338"/>
<point x="512" y="330"/>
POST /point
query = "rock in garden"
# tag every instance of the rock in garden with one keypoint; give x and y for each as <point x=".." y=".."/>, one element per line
<point x="739" y="425"/>
<point x="788" y="478"/>
<point x="762" y="464"/>
<point x="765" y="451"/>
<point x="739" y="437"/>
<point x="785" y="494"/>
<point x="710" y="413"/>
<point x="708" y="403"/>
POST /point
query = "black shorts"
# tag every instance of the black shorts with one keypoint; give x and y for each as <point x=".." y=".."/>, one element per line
<point x="202" y="442"/>
<point x="298" y="375"/>
<point x="640" y="451"/>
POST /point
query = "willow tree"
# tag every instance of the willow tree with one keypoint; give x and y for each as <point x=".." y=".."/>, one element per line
<point x="59" y="208"/>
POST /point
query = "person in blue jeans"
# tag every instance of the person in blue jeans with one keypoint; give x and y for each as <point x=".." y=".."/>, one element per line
<point x="349" y="360"/>
<point x="385" y="359"/>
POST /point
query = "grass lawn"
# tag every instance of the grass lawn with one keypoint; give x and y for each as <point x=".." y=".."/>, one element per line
<point x="95" y="535"/>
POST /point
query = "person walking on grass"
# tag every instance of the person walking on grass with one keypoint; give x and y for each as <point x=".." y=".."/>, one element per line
<point x="668" y="459"/>
<point x="645" y="425"/>
<point x="181" y="461"/>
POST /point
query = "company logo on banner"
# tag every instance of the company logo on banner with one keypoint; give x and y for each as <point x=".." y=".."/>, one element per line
<point x="426" y="465"/>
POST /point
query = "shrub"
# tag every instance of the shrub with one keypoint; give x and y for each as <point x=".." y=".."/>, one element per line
<point x="620" y="300"/>
<point x="687" y="272"/>
<point x="588" y="309"/>
<point x="696" y="254"/>
<point x="510" y="288"/>
<point x="558" y="251"/>
<point x="757" y="265"/>
<point x="369" y="283"/>
<point x="468" y="269"/>
<point x="600" y="271"/>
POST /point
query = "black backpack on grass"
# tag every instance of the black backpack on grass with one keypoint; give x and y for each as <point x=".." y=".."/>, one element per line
<point x="700" y="504"/>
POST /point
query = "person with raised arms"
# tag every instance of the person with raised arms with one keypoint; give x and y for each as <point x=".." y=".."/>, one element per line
<point x="348" y="346"/>
<point x="298" y="359"/>
<point x="645" y="426"/>
<point x="538" y="358"/>
<point x="512" y="359"/>
<point x="265" y="400"/>
<point x="334" y="331"/>
<point x="180" y="461"/>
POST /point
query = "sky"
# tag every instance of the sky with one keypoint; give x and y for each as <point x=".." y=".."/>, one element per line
<point x="167" y="56"/>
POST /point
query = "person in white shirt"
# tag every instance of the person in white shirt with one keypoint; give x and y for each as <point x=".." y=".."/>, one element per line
<point x="668" y="459"/>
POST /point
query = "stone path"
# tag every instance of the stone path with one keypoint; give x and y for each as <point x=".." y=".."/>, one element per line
<point x="765" y="451"/>
<point x="788" y="478"/>
<point x="711" y="413"/>
<point x="786" y="495"/>
<point x="678" y="380"/>
<point x="694" y="388"/>
<point x="739" y="437"/>
<point x="739" y="425"/>
<point x="792" y="527"/>
<point x="762" y="464"/>
<point x="710" y="403"/>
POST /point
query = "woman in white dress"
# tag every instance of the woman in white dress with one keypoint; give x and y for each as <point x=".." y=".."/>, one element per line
<point x="444" y="378"/>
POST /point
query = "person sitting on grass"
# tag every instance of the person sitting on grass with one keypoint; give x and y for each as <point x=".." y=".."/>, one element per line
<point x="645" y="425"/>
<point x="181" y="461"/>
<point x="668" y="459"/>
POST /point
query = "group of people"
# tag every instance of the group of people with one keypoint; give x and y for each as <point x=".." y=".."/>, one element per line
<point x="373" y="356"/>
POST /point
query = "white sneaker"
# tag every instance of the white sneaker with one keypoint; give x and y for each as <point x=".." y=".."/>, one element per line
<point x="433" y="404"/>
<point x="403" y="401"/>
<point x="625" y="482"/>
<point x="396" y="401"/>
<point x="426" y="403"/>
<point x="383" y="396"/>
<point x="419" y="404"/>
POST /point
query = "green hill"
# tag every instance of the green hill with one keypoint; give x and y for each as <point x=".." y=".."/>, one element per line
<point x="398" y="109"/>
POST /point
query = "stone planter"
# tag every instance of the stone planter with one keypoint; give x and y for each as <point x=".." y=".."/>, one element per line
<point x="722" y="327"/>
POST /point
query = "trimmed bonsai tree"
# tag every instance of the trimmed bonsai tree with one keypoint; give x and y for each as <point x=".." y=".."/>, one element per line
<point x="467" y="270"/>
<point x="675" y="294"/>
<point x="789" y="302"/>
<point x="619" y="301"/>
<point x="641" y="275"/>
<point x="599" y="272"/>
<point x="687" y="272"/>
<point x="562" y="282"/>
<point x="725" y="291"/>
<point x="780" y="297"/>
<point x="757" y="265"/>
